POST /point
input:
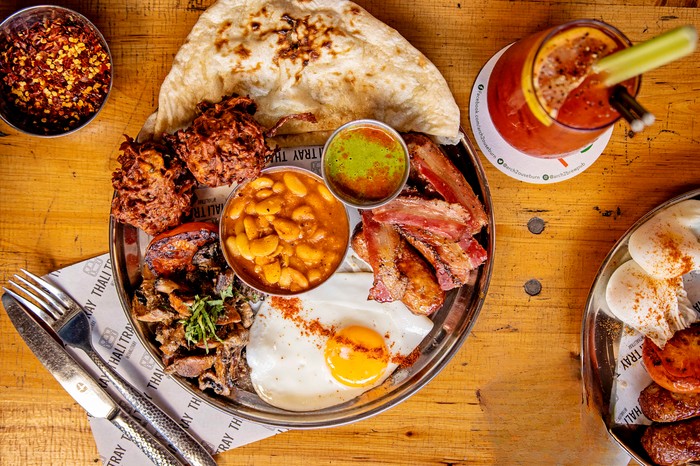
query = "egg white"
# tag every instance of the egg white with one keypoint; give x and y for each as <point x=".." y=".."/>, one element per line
<point x="668" y="244"/>
<point x="288" y="368"/>
<point x="654" y="307"/>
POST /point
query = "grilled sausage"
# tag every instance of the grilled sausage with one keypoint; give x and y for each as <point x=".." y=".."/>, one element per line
<point x="673" y="444"/>
<point x="662" y="405"/>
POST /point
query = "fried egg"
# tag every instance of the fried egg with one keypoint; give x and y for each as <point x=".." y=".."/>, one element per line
<point x="668" y="244"/>
<point x="654" y="307"/>
<point x="329" y="345"/>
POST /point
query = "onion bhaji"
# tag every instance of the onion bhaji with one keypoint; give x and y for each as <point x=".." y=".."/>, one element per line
<point x="153" y="189"/>
<point x="224" y="144"/>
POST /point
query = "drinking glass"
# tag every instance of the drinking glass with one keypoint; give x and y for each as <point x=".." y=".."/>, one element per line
<point x="542" y="96"/>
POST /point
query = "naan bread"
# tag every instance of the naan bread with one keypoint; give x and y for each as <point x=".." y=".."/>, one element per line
<point x="328" y="57"/>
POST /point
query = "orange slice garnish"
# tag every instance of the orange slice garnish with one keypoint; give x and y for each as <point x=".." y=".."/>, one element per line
<point x="562" y="64"/>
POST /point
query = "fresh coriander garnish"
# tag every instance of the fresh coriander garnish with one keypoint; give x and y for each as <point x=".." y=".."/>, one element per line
<point x="201" y="324"/>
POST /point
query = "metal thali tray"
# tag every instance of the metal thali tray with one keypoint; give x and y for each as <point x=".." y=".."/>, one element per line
<point x="453" y="322"/>
<point x="600" y="339"/>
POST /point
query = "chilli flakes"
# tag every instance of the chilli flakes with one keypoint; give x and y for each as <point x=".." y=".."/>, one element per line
<point x="55" y="75"/>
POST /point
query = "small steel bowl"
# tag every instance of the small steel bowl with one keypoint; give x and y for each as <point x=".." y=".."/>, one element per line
<point x="10" y="30"/>
<point x="342" y="188"/>
<point x="254" y="280"/>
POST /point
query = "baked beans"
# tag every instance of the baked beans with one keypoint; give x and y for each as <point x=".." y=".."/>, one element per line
<point x="284" y="232"/>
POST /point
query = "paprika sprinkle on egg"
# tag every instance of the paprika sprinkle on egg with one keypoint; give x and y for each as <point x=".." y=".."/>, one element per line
<point x="365" y="163"/>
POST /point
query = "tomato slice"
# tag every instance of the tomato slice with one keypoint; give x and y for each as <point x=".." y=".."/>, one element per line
<point x="676" y="367"/>
<point x="172" y="251"/>
<point x="681" y="355"/>
<point x="186" y="228"/>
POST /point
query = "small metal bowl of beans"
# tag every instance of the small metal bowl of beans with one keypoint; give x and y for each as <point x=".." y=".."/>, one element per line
<point x="55" y="71"/>
<point x="284" y="233"/>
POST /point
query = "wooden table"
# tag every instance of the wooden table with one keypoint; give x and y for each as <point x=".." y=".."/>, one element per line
<point x="513" y="392"/>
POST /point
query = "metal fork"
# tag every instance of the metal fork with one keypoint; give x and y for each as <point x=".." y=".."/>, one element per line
<point x="68" y="319"/>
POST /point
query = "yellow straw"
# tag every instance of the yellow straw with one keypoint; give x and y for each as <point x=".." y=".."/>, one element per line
<point x="646" y="56"/>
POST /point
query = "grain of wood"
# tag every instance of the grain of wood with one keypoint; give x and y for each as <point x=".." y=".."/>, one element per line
<point x="512" y="394"/>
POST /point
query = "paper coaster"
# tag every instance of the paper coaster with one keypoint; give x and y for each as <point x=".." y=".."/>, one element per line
<point x="511" y="161"/>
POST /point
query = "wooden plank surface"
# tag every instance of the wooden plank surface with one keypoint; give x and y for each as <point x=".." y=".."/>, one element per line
<point x="512" y="395"/>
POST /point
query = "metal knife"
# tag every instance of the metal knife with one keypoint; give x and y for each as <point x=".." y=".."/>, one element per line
<point x="81" y="385"/>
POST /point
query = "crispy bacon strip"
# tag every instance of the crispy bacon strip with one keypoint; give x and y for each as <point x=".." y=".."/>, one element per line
<point x="383" y="244"/>
<point x="423" y="294"/>
<point x="439" y="217"/>
<point x="431" y="165"/>
<point x="452" y="261"/>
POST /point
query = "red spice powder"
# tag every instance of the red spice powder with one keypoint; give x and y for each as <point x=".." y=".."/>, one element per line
<point x="373" y="353"/>
<point x="670" y="243"/>
<point x="406" y="361"/>
<point x="290" y="309"/>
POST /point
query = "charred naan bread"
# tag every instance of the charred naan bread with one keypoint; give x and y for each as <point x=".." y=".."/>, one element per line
<point x="327" y="57"/>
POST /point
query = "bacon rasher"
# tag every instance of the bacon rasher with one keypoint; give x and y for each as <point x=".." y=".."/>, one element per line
<point x="435" y="215"/>
<point x="452" y="260"/>
<point x="432" y="165"/>
<point x="383" y="245"/>
<point x="423" y="294"/>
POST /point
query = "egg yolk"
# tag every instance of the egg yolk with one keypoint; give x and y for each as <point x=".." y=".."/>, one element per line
<point x="356" y="356"/>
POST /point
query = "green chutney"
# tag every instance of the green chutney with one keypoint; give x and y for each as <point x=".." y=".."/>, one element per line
<point x="365" y="164"/>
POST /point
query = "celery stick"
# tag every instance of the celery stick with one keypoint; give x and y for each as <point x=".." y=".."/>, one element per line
<point x="646" y="56"/>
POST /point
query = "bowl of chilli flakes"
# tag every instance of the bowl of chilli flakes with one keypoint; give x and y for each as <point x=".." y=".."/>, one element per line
<point x="55" y="71"/>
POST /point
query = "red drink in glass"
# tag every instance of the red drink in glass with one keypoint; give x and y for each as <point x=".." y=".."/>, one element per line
<point x="543" y="98"/>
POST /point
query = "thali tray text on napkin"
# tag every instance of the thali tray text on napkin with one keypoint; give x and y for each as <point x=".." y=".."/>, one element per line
<point x="91" y="283"/>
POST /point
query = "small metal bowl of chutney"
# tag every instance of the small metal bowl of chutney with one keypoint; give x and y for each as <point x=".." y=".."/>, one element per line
<point x="365" y="164"/>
